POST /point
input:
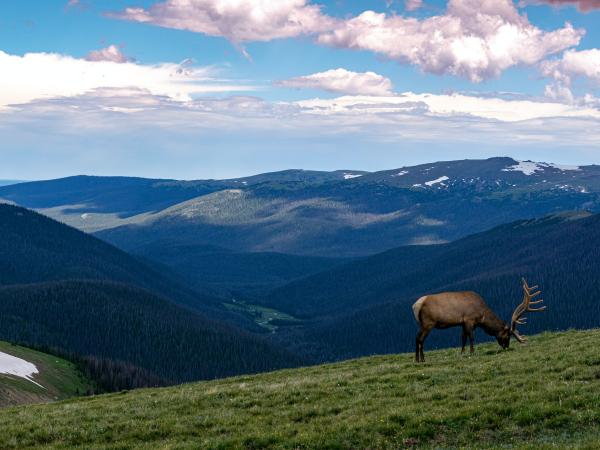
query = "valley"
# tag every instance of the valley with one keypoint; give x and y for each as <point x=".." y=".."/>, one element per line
<point x="268" y="318"/>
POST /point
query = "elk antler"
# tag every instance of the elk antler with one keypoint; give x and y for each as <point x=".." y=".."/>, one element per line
<point x="517" y="317"/>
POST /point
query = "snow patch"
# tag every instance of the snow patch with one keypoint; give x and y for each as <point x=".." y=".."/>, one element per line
<point x="11" y="365"/>
<point x="401" y="173"/>
<point x="348" y="176"/>
<point x="437" y="181"/>
<point x="565" y="167"/>
<point x="85" y="216"/>
<point x="531" y="167"/>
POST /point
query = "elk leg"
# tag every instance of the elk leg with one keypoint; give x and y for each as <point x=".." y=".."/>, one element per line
<point x="421" y="335"/>
<point x="464" y="340"/>
<point x="468" y="331"/>
<point x="417" y="348"/>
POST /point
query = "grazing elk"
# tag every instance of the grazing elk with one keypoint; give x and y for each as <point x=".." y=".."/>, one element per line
<point x="469" y="311"/>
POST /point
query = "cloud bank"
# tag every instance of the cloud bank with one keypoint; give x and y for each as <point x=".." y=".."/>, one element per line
<point x="245" y="133"/>
<point x="342" y="81"/>
<point x="49" y="75"/>
<point x="475" y="39"/>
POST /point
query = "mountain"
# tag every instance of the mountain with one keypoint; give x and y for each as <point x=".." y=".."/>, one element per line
<point x="364" y="307"/>
<point x="29" y="376"/>
<point x="327" y="214"/>
<point x="538" y="396"/>
<point x="92" y="203"/>
<point x="35" y="249"/>
<point x="63" y="290"/>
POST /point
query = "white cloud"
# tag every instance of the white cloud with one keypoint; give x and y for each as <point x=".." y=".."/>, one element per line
<point x="49" y="75"/>
<point x="110" y="53"/>
<point x="342" y="81"/>
<point x="454" y="105"/>
<point x="573" y="64"/>
<point x="237" y="20"/>
<point x="476" y="39"/>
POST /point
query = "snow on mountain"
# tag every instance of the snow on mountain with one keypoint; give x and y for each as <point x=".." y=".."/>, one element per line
<point x="11" y="365"/>
<point x="531" y="167"/>
<point x="437" y="181"/>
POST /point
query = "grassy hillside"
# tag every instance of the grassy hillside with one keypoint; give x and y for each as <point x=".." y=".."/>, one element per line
<point x="60" y="378"/>
<point x="542" y="395"/>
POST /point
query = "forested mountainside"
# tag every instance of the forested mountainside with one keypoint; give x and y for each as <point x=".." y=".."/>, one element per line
<point x="370" y="213"/>
<point x="36" y="249"/>
<point x="70" y="292"/>
<point x="229" y="273"/>
<point x="134" y="329"/>
<point x="364" y="307"/>
<point x="127" y="196"/>
<point x="331" y="214"/>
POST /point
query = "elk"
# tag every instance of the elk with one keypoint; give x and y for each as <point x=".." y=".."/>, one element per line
<point x="469" y="311"/>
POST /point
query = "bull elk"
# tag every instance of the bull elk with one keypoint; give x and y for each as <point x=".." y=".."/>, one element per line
<point x="469" y="311"/>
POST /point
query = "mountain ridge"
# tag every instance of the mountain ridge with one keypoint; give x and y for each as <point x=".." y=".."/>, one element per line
<point x="64" y="290"/>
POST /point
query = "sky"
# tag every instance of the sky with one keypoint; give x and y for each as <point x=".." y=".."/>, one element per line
<point x="194" y="89"/>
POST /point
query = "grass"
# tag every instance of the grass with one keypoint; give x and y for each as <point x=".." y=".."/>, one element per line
<point x="268" y="318"/>
<point x="543" y="395"/>
<point x="60" y="378"/>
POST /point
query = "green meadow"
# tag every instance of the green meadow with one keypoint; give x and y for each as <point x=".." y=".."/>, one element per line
<point x="542" y="395"/>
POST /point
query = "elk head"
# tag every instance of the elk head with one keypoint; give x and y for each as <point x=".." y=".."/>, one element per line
<point x="518" y="317"/>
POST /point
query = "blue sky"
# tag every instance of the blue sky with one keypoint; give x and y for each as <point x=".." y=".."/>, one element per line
<point x="162" y="100"/>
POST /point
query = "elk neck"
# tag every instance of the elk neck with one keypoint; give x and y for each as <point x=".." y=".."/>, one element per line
<point x="491" y="323"/>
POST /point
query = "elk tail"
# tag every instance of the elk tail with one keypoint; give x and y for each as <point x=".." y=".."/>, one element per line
<point x="417" y="308"/>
